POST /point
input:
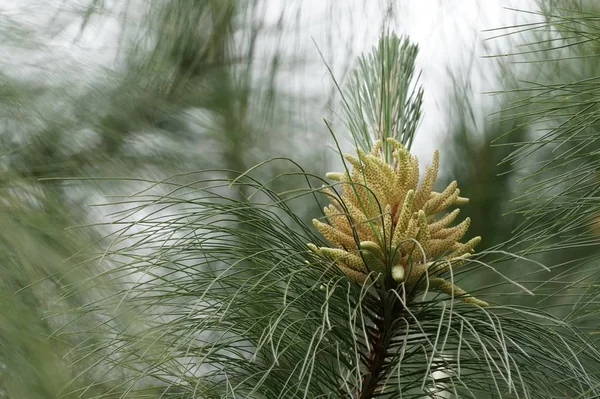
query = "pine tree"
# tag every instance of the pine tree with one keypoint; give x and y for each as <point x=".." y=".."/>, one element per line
<point x="213" y="283"/>
<point x="223" y="291"/>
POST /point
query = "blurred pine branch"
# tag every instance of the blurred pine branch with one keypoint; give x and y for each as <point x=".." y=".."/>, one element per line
<point x="204" y="285"/>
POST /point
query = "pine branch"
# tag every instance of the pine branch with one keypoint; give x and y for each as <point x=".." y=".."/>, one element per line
<point x="382" y="99"/>
<point x="378" y="360"/>
<point x="218" y="296"/>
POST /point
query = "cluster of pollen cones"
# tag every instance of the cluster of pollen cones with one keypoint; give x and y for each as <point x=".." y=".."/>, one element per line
<point x="385" y="227"/>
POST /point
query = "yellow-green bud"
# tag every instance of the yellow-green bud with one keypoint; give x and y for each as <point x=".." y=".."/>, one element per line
<point x="398" y="273"/>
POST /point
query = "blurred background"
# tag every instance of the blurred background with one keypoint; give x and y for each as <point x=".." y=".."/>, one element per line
<point x="98" y="90"/>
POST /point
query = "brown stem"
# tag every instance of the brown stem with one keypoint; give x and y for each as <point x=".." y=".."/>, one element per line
<point x="391" y="310"/>
<point x="375" y="367"/>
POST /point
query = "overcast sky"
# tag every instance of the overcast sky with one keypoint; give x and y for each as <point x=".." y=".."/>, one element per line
<point x="450" y="34"/>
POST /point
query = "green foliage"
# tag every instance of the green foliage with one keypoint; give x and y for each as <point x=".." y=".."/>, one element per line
<point x="560" y="155"/>
<point x="203" y="285"/>
<point x="33" y="250"/>
<point x="170" y="94"/>
<point x="221" y="298"/>
<point x="554" y="95"/>
<point x="382" y="98"/>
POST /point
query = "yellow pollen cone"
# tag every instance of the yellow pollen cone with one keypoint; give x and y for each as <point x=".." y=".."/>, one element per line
<point x="384" y="218"/>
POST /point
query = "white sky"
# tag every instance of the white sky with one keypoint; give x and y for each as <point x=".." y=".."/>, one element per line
<point x="448" y="32"/>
